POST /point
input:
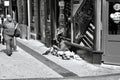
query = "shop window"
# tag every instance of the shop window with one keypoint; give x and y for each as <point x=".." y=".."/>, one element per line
<point x="114" y="18"/>
<point x="83" y="18"/>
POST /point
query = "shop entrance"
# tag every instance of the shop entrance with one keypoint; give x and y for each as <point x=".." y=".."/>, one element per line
<point x="111" y="31"/>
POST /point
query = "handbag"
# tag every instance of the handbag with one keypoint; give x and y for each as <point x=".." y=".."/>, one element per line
<point x="17" y="31"/>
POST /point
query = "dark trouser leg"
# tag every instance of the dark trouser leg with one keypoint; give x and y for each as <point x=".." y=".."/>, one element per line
<point x="8" y="47"/>
<point x="3" y="41"/>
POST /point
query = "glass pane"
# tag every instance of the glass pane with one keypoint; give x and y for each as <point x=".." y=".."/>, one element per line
<point x="114" y="18"/>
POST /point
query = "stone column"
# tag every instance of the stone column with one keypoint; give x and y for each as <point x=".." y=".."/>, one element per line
<point x="61" y="14"/>
<point x="72" y="32"/>
<point x="19" y="8"/>
<point x="98" y="25"/>
<point x="28" y="28"/>
<point x="25" y="12"/>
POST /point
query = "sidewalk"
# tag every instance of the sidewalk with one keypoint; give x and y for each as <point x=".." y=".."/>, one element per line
<point x="22" y="65"/>
<point x="79" y="67"/>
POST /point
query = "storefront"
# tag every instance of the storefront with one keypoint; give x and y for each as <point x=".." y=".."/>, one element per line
<point x="84" y="24"/>
<point x="94" y="25"/>
<point x="87" y="30"/>
<point x="58" y="15"/>
<point x="111" y="31"/>
<point x="37" y="19"/>
<point x="42" y="22"/>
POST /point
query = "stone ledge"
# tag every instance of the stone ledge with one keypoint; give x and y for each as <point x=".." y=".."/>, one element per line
<point x="86" y="53"/>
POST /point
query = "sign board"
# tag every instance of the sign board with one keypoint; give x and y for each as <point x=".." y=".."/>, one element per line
<point x="6" y="3"/>
<point x="61" y="3"/>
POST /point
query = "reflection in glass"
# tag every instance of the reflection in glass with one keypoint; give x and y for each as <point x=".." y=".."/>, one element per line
<point x="114" y="18"/>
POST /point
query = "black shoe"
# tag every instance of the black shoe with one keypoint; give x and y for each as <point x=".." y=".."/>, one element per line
<point x="9" y="54"/>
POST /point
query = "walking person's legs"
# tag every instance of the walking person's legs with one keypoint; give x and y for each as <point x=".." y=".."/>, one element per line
<point x="3" y="38"/>
<point x="8" y="47"/>
<point x="13" y="44"/>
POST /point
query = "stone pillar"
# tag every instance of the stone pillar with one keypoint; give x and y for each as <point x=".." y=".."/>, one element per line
<point x="42" y="20"/>
<point x="10" y="7"/>
<point x="36" y="17"/>
<point x="97" y="53"/>
<point x="28" y="28"/>
<point x="61" y="14"/>
<point x="25" y="12"/>
<point x="20" y="11"/>
<point x="72" y="32"/>
<point x="98" y="25"/>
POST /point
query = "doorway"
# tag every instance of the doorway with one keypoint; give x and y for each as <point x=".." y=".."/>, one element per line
<point x="111" y="31"/>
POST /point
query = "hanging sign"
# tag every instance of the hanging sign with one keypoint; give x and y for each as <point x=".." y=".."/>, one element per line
<point x="6" y="3"/>
<point x="61" y="4"/>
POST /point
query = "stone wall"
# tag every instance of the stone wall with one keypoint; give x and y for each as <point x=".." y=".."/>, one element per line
<point x="25" y="13"/>
<point x="42" y="19"/>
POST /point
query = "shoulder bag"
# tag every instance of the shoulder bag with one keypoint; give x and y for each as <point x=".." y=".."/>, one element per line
<point x="17" y="31"/>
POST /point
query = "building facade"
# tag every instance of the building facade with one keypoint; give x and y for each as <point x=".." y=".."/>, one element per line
<point x="43" y="17"/>
<point x="87" y="23"/>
